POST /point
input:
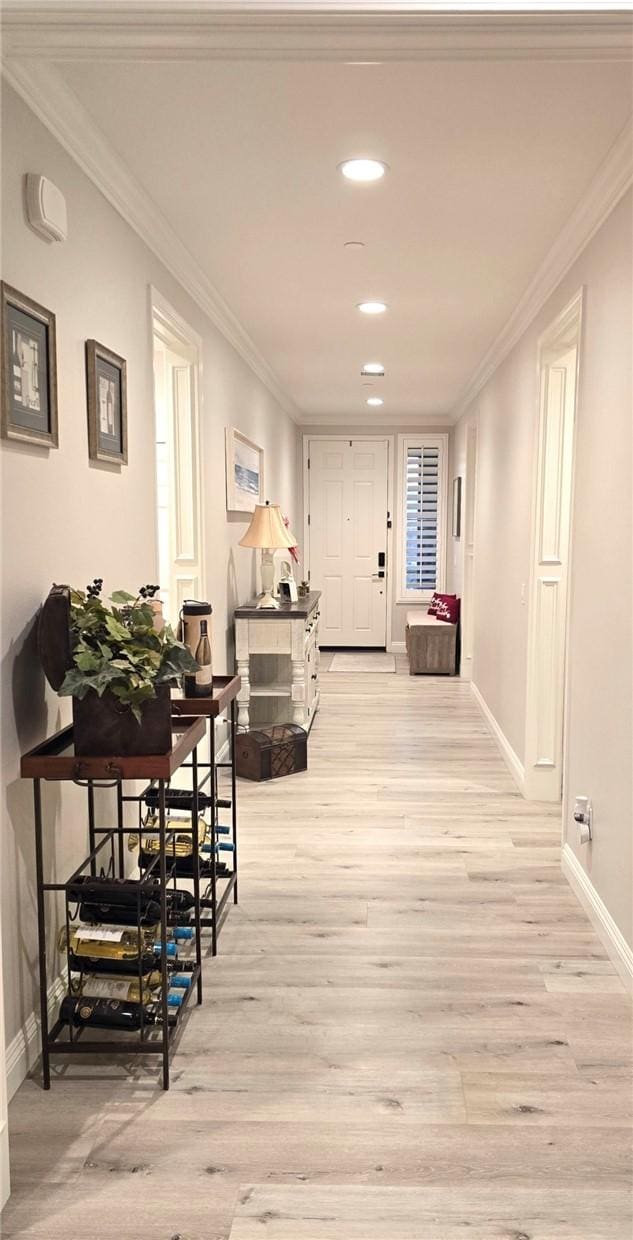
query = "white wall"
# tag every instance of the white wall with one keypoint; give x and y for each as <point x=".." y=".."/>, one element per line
<point x="66" y="519"/>
<point x="397" y="610"/>
<point x="598" y="724"/>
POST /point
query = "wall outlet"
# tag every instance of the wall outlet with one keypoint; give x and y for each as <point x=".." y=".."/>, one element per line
<point x="583" y="815"/>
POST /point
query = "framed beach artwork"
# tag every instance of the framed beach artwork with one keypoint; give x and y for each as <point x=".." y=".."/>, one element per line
<point x="106" y="381"/>
<point x="244" y="472"/>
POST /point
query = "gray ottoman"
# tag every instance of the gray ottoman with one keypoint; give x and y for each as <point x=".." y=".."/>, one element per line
<point x="431" y="645"/>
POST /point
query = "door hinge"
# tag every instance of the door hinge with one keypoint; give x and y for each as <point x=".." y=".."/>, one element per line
<point x="308" y="462"/>
<point x="388" y="520"/>
<point x="308" y="518"/>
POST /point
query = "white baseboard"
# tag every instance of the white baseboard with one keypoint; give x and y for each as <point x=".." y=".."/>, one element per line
<point x="610" y="934"/>
<point x="5" y="1179"/>
<point x="511" y="759"/>
<point x="397" y="648"/>
<point x="24" y="1049"/>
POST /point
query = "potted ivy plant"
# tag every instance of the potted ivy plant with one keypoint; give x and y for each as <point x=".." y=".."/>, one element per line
<point x="123" y="665"/>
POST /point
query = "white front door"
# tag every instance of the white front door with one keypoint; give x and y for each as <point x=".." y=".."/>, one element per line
<point x="347" y="503"/>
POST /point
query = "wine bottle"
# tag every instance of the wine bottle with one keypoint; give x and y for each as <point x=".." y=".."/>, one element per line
<point x="113" y="896"/>
<point x="180" y="844"/>
<point x="130" y="966"/>
<point x="203" y="686"/>
<point x="126" y="990"/>
<point x="109" y="1013"/>
<point x="183" y="866"/>
<point x="182" y="799"/>
<point x="112" y="942"/>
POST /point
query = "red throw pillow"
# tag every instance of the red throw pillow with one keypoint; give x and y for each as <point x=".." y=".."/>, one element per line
<point x="447" y="608"/>
<point x="434" y="601"/>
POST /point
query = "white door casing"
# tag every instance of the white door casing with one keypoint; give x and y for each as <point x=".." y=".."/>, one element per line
<point x="179" y="490"/>
<point x="470" y="510"/>
<point x="347" y="500"/>
<point x="559" y="353"/>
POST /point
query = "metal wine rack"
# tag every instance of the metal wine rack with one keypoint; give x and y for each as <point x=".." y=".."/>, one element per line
<point x="55" y="760"/>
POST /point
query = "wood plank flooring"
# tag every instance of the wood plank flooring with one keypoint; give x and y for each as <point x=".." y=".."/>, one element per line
<point x="412" y="1032"/>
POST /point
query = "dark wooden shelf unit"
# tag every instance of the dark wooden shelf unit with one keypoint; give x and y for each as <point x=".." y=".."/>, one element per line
<point x="55" y="760"/>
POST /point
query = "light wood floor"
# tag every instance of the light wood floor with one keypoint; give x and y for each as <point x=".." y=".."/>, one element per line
<point x="411" y="1034"/>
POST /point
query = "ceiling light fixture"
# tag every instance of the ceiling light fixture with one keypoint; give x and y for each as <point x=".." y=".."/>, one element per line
<point x="371" y="307"/>
<point x="373" y="368"/>
<point x="375" y="400"/>
<point x="353" y="245"/>
<point x="363" y="170"/>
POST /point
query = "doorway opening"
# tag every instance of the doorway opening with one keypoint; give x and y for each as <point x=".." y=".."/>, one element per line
<point x="179" y="517"/>
<point x="558" y="360"/>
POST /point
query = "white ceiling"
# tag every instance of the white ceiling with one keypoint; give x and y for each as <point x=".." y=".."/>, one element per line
<point x="488" y="159"/>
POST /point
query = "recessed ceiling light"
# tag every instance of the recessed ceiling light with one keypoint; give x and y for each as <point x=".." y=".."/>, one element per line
<point x="363" y="169"/>
<point x="353" y="245"/>
<point x="372" y="307"/>
<point x="375" y="400"/>
<point x="373" y="368"/>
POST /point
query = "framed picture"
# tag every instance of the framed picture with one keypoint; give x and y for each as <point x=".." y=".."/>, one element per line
<point x="457" y="507"/>
<point x="107" y="404"/>
<point x="244" y="472"/>
<point x="28" y="370"/>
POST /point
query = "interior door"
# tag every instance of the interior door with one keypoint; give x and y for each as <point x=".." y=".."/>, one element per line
<point x="549" y="577"/>
<point x="347" y="503"/>
<point x="178" y="479"/>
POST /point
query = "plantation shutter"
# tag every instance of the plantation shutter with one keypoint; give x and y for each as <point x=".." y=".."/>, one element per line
<point x="421" y="516"/>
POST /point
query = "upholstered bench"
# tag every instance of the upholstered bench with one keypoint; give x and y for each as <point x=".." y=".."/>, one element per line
<point x="431" y="645"/>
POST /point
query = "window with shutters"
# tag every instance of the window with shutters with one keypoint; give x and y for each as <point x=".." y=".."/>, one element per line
<point x="422" y="475"/>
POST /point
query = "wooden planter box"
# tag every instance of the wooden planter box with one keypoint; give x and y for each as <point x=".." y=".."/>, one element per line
<point x="103" y="726"/>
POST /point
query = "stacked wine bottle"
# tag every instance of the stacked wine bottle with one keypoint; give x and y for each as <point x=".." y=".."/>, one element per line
<point x="114" y="953"/>
<point x="117" y="960"/>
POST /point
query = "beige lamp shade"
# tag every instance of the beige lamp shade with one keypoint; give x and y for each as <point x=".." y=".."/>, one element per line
<point x="267" y="529"/>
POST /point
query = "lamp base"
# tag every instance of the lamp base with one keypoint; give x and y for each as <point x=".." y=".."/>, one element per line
<point x="267" y="601"/>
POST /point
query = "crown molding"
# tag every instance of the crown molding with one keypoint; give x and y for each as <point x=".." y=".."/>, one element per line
<point x="42" y="89"/>
<point x="612" y="180"/>
<point x="382" y="420"/>
<point x="309" y="30"/>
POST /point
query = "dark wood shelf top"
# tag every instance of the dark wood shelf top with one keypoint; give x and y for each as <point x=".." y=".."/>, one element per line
<point x="286" y="611"/>
<point x="225" y="688"/>
<point x="55" y="758"/>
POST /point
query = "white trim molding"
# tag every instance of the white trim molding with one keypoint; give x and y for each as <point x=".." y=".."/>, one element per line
<point x="612" y="180"/>
<point x="42" y="88"/>
<point x="24" y="1050"/>
<point x="608" y="932"/>
<point x="511" y="759"/>
<point x="414" y="30"/>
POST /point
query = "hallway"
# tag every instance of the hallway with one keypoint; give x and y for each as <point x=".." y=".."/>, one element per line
<point x="411" y="1030"/>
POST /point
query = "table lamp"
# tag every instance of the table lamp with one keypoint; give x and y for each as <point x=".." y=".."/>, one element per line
<point x="268" y="532"/>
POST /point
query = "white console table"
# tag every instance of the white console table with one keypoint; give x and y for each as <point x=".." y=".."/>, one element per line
<point x="277" y="653"/>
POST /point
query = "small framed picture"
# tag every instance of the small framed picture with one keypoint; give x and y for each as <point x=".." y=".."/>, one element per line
<point x="244" y="472"/>
<point x="107" y="404"/>
<point x="29" y="370"/>
<point x="457" y="507"/>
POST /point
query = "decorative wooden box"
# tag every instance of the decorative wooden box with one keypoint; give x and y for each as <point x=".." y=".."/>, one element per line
<point x="268" y="753"/>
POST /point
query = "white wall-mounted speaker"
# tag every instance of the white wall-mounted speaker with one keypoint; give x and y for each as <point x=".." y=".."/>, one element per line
<point x="46" y="207"/>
